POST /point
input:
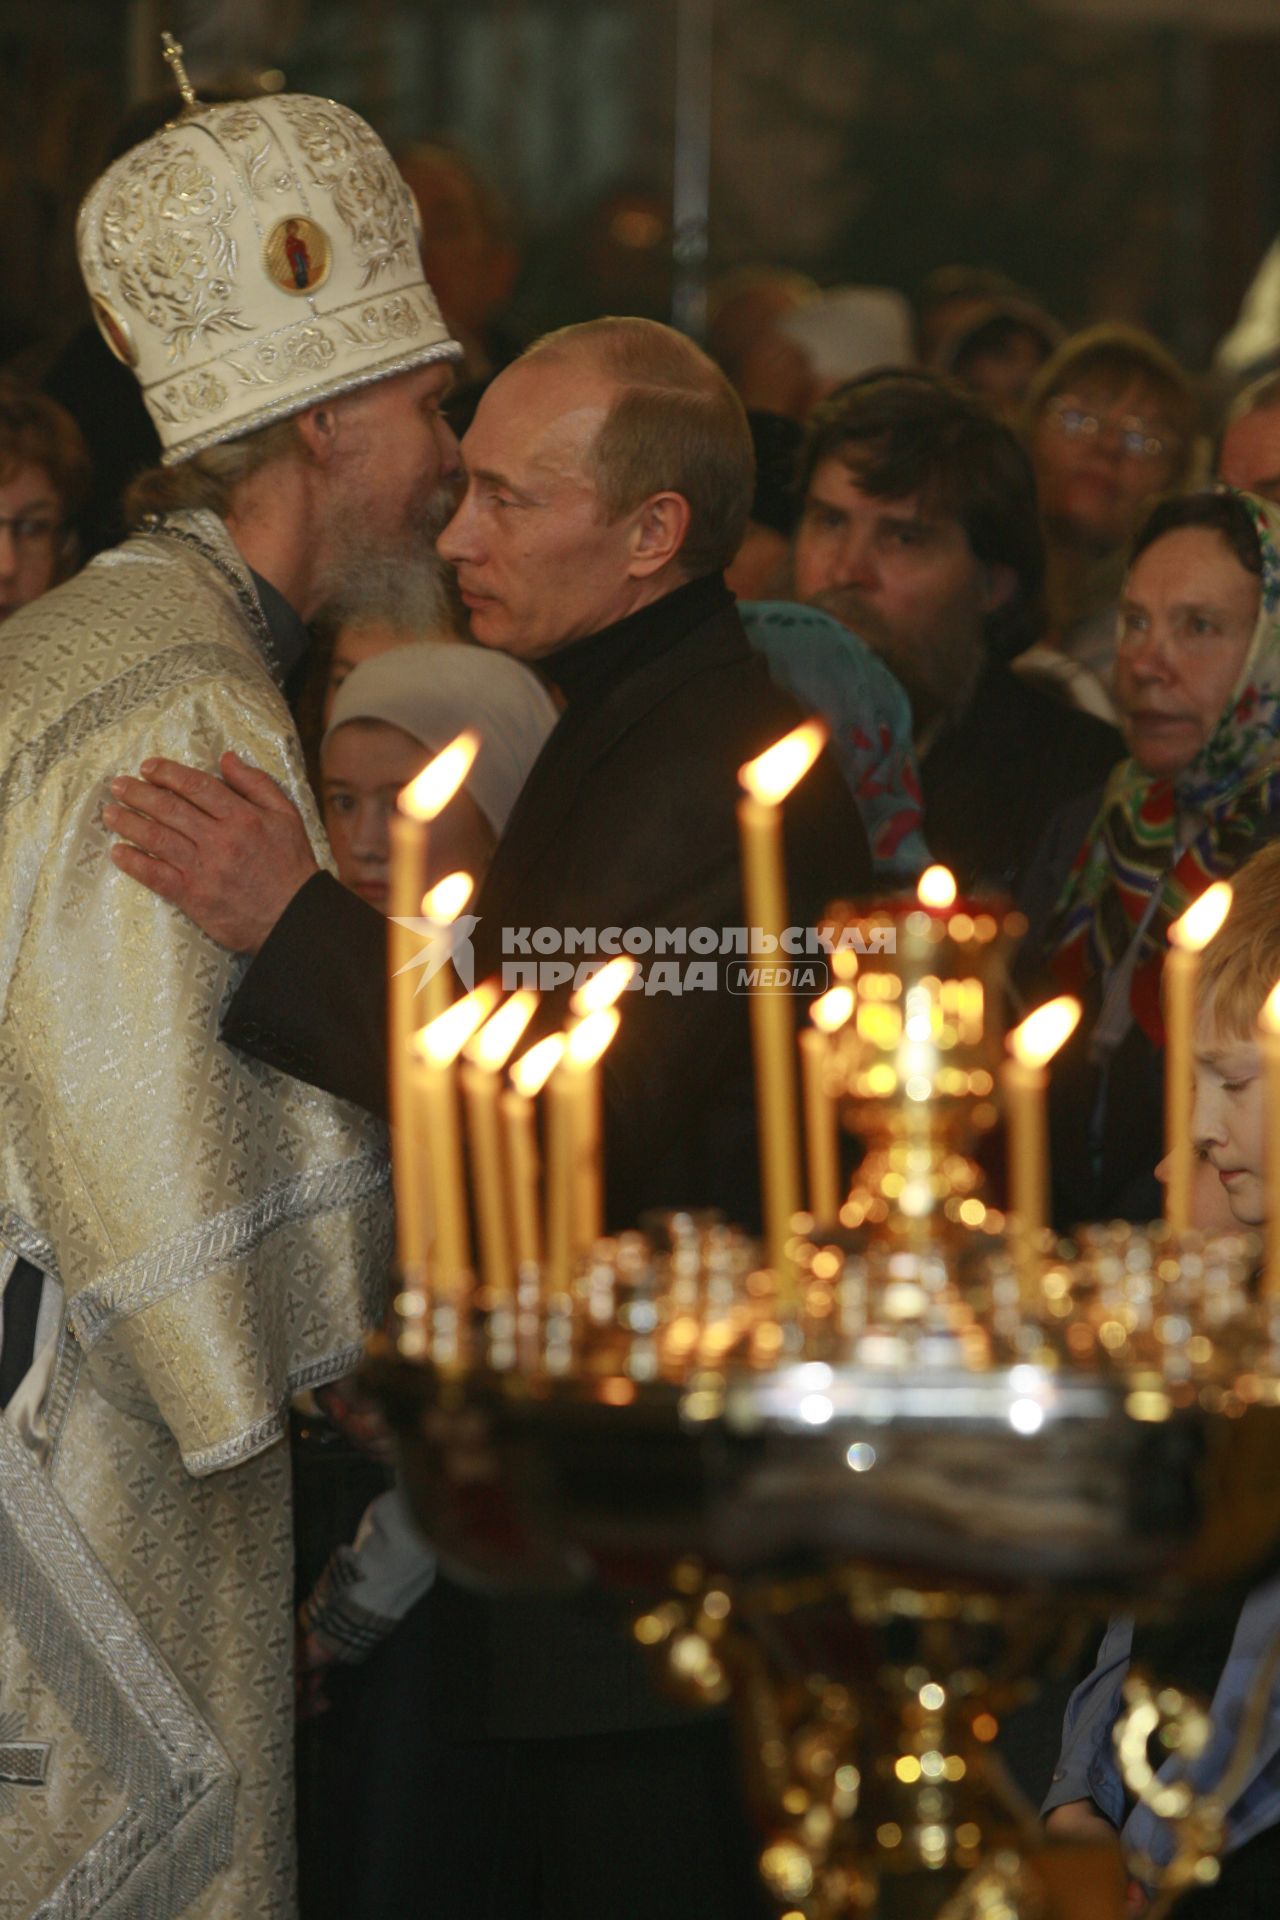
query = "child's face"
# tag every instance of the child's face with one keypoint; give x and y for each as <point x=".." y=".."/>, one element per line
<point x="1228" y="1118"/>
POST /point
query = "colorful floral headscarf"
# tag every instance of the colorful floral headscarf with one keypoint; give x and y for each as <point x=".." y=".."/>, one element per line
<point x="1231" y="790"/>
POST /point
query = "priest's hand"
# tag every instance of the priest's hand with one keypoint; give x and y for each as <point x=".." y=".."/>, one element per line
<point x="230" y="852"/>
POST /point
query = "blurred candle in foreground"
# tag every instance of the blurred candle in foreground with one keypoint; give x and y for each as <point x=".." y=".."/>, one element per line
<point x="519" y="1128"/>
<point x="417" y="806"/>
<point x="936" y="888"/>
<point x="484" y="1057"/>
<point x="821" y="1118"/>
<point x="1269" y="1039"/>
<point x="603" y="989"/>
<point x="580" y="1078"/>
<point x="766" y="782"/>
<point x="1025" y="1081"/>
<point x="1188" y="937"/>
<point x="434" y="1096"/>
<point x="441" y="905"/>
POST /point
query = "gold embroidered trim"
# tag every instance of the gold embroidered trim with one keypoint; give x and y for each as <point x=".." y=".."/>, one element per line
<point x="193" y="1255"/>
<point x="273" y="410"/>
<point x="90" y="1653"/>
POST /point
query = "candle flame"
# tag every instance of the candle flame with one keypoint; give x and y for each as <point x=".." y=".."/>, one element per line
<point x="831" y="1012"/>
<point x="1035" y="1042"/>
<point x="445" y="901"/>
<point x="1269" y="1018"/>
<point x="937" y="887"/>
<point x="1203" y="917"/>
<point x="588" y="1040"/>
<point x="431" y="791"/>
<point x="442" y="1039"/>
<point x="603" y="988"/>
<point x="532" y="1070"/>
<point x="770" y="777"/>
<point x="497" y="1039"/>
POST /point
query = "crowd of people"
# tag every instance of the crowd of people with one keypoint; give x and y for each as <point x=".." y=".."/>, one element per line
<point x="1029" y="577"/>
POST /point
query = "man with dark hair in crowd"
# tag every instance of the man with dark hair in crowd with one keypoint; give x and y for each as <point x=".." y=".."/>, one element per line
<point x="44" y="478"/>
<point x="918" y="529"/>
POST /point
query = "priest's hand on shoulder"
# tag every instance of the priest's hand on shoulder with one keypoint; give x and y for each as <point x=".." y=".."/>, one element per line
<point x="230" y="852"/>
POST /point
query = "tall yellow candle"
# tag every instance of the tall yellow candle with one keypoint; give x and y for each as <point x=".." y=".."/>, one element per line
<point x="1025" y="1083"/>
<point x="560" y="1172"/>
<point x="434" y="1094"/>
<point x="1269" y="1039"/>
<point x="581" y="1075"/>
<point x="1188" y="937"/>
<point x="417" y="805"/>
<point x="441" y="906"/>
<point x="821" y="1116"/>
<point x="485" y="1055"/>
<point x="767" y="781"/>
<point x="520" y="1135"/>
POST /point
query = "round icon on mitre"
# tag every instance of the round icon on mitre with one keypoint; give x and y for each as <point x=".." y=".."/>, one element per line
<point x="114" y="331"/>
<point x="298" y="254"/>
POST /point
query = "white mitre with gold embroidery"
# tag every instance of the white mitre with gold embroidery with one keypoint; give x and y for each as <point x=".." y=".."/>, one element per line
<point x="252" y="259"/>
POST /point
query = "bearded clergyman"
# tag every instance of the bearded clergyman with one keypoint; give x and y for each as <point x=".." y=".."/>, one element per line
<point x="187" y="1237"/>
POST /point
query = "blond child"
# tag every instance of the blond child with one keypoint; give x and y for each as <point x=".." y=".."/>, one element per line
<point x="1087" y="1798"/>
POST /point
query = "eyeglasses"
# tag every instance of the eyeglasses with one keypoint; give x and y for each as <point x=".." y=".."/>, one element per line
<point x="30" y="530"/>
<point x="1135" y="436"/>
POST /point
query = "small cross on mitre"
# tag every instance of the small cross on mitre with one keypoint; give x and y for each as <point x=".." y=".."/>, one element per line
<point x="173" y="54"/>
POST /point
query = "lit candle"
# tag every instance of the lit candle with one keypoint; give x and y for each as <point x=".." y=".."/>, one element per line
<point x="485" y="1055"/>
<point x="434" y="1096"/>
<point x="1269" y="1039"/>
<point x="418" y="804"/>
<point x="936" y="889"/>
<point x="441" y="906"/>
<point x="767" y="781"/>
<point x="519" y="1126"/>
<point x="1025" y="1081"/>
<point x="1188" y="937"/>
<point x="605" y="987"/>
<point x="821" y="1128"/>
<point x="575" y="1187"/>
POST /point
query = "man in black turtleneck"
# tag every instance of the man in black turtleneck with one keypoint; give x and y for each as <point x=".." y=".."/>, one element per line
<point x="609" y="473"/>
<point x="609" y="480"/>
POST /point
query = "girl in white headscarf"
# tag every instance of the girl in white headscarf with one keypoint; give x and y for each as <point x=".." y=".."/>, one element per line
<point x="390" y="716"/>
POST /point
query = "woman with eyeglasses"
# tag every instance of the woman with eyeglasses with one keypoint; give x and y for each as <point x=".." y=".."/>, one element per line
<point x="1197" y="680"/>
<point x="1110" y="424"/>
<point x="44" y="480"/>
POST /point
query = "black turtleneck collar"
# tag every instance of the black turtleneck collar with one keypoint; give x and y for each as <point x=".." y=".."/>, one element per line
<point x="587" y="670"/>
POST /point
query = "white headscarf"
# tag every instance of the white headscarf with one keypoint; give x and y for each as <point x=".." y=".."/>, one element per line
<point x="432" y="689"/>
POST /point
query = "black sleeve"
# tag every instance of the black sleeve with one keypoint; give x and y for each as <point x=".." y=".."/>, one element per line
<point x="314" y="1001"/>
<point x="19" y="1314"/>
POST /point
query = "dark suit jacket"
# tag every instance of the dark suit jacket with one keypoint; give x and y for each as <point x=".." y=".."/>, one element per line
<point x="992" y="782"/>
<point x="628" y="819"/>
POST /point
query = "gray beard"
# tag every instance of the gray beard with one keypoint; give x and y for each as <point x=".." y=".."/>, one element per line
<point x="352" y="552"/>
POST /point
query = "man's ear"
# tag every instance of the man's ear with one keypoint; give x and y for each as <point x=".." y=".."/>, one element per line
<point x="319" y="429"/>
<point x="659" y="530"/>
<point x="999" y="585"/>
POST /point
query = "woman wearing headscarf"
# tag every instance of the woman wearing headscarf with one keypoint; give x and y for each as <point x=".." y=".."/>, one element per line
<point x="390" y="715"/>
<point x="1197" y="681"/>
